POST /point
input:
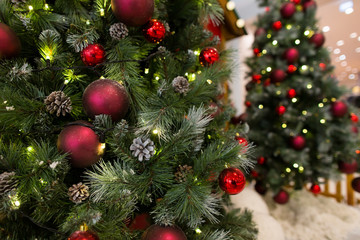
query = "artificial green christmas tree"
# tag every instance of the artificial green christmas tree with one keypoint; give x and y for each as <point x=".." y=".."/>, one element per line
<point x="298" y="119"/>
<point x="106" y="123"/>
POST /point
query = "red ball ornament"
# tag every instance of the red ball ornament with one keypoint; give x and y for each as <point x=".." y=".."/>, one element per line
<point x="287" y="10"/>
<point x="9" y="42"/>
<point x="339" y="109"/>
<point x="281" y="197"/>
<point x="242" y="141"/>
<point x="83" y="235"/>
<point x="309" y="5"/>
<point x="81" y="143"/>
<point x="208" y="56"/>
<point x="248" y="104"/>
<point x="291" y="55"/>
<point x="277" y="25"/>
<point x="133" y="12"/>
<point x="322" y="66"/>
<point x="315" y="188"/>
<point x="348" y="168"/>
<point x="256" y="78"/>
<point x="260" y="32"/>
<point x="298" y="142"/>
<point x="277" y="75"/>
<point x="154" y="31"/>
<point x="93" y="55"/>
<point x="141" y="222"/>
<point x="317" y="39"/>
<point x="157" y="232"/>
<point x="355" y="183"/>
<point x="296" y="1"/>
<point x="291" y="93"/>
<point x="260" y="188"/>
<point x="256" y="51"/>
<point x="280" y="110"/>
<point x="291" y="69"/>
<point x="354" y="118"/>
<point x="261" y="160"/>
<point x="232" y="180"/>
<point x="105" y="96"/>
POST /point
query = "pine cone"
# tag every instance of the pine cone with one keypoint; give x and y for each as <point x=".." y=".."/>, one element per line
<point x="183" y="171"/>
<point x="118" y="31"/>
<point x="7" y="182"/>
<point x="78" y="192"/>
<point x="58" y="102"/>
<point x="142" y="148"/>
<point x="180" y="84"/>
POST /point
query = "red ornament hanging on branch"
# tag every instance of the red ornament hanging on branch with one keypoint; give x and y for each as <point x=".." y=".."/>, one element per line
<point x="281" y="197"/>
<point x="93" y="55"/>
<point x="322" y="66"/>
<point x="261" y="160"/>
<point x="242" y="141"/>
<point x="315" y="188"/>
<point x="277" y="75"/>
<point x="280" y="110"/>
<point x="257" y="52"/>
<point x="298" y="142"/>
<point x="339" y="109"/>
<point x="354" y="118"/>
<point x="317" y="39"/>
<point x="140" y="222"/>
<point x="9" y="43"/>
<point x="133" y="12"/>
<point x="291" y="69"/>
<point x="277" y="25"/>
<point x="208" y="56"/>
<point x="154" y="31"/>
<point x="256" y="78"/>
<point x="157" y="232"/>
<point x="296" y="1"/>
<point x="348" y="168"/>
<point x="287" y="10"/>
<point x="83" y="235"/>
<point x="291" y="55"/>
<point x="291" y="93"/>
<point x="232" y="181"/>
<point x="355" y="183"/>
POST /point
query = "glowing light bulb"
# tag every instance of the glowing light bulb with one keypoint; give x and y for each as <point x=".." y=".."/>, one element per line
<point x="268" y="35"/>
<point x="309" y="86"/>
<point x="260" y="106"/>
<point x="264" y="51"/>
<point x="288" y="170"/>
<point x="198" y="231"/>
<point x="294" y="100"/>
<point x="295" y="165"/>
<point x="305" y="130"/>
<point x="146" y="71"/>
<point x="102" y="12"/>
<point x="31" y="8"/>
<point x="209" y="81"/>
<point x="240" y="23"/>
<point x="268" y="69"/>
<point x="155" y="131"/>
<point x="322" y="121"/>
<point x="284" y="125"/>
<point x="297" y="41"/>
<point x="321" y="105"/>
<point x="275" y="42"/>
<point x="304" y="112"/>
<point x="301" y="169"/>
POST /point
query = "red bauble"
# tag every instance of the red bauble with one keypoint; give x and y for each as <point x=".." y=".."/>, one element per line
<point x="232" y="180"/>
<point x="247" y="103"/>
<point x="261" y="160"/>
<point x="267" y="82"/>
<point x="280" y="110"/>
<point x="277" y="75"/>
<point x="281" y="197"/>
<point x="354" y="118"/>
<point x="355" y="183"/>
<point x="291" y="93"/>
<point x="315" y="188"/>
<point x="291" y="55"/>
<point x="256" y="78"/>
<point x="260" y="32"/>
<point x="9" y="42"/>
<point x="256" y="51"/>
<point x="208" y="56"/>
<point x="347" y="168"/>
<point x="317" y="39"/>
<point x="287" y="10"/>
<point x="298" y="142"/>
<point x="322" y="66"/>
<point x="133" y="12"/>
<point x="309" y="5"/>
<point x="242" y="141"/>
<point x="81" y="143"/>
<point x="83" y="235"/>
<point x="141" y="222"/>
<point x="339" y="109"/>
<point x="296" y="1"/>
<point x="277" y="25"/>
<point x="93" y="55"/>
<point x="260" y="188"/>
<point x="154" y="31"/>
<point x="157" y="232"/>
<point x="291" y="69"/>
<point x="105" y="96"/>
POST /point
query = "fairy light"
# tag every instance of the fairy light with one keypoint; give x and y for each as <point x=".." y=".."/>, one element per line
<point x="198" y="231"/>
<point x="309" y="86"/>
<point x="209" y="81"/>
<point x="325" y="100"/>
<point x="261" y="106"/>
<point x="157" y="78"/>
<point x="87" y="22"/>
<point x="268" y="69"/>
<point x="284" y="125"/>
<point x="288" y="26"/>
<point x="333" y="99"/>
<point x="322" y="121"/>
<point x="278" y="92"/>
<point x="46" y="7"/>
<point x="301" y="169"/>
<point x="306" y="33"/>
<point x="321" y="105"/>
<point x="240" y="23"/>
<point x="155" y="131"/>
<point x="268" y="35"/>
<point x="197" y="52"/>
<point x="304" y="67"/>
<point x="304" y="112"/>
<point x="66" y="81"/>
<point x="288" y="170"/>
<point x="30" y="149"/>
<point x="102" y="12"/>
<point x="305" y="130"/>
<point x="146" y="71"/>
<point x="264" y="51"/>
<point x="295" y="165"/>
<point x="209" y="136"/>
<point x="15" y="201"/>
<point x="294" y="100"/>
<point x="275" y="42"/>
<point x="31" y="8"/>
<point x="102" y="148"/>
<point x="297" y="41"/>
<point x="230" y="5"/>
<point x="186" y="74"/>
<point x="263" y="71"/>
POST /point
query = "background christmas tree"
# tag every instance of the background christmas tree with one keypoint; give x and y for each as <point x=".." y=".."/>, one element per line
<point x="111" y="121"/>
<point x="298" y="121"/>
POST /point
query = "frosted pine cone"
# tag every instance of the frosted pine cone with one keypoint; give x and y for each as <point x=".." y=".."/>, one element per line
<point x="78" y="192"/>
<point x="118" y="31"/>
<point x="142" y="149"/>
<point x="58" y="102"/>
<point x="180" y="84"/>
<point x="7" y="182"/>
<point x="182" y="173"/>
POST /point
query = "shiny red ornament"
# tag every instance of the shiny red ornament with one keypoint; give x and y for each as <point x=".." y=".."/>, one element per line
<point x="260" y="188"/>
<point x="93" y="55"/>
<point x="355" y="183"/>
<point x="348" y="168"/>
<point x="281" y="197"/>
<point x="287" y="10"/>
<point x="261" y="160"/>
<point x="256" y="78"/>
<point x="157" y="232"/>
<point x="309" y="5"/>
<point x="291" y="55"/>
<point x="9" y="43"/>
<point x="317" y="39"/>
<point x="291" y="69"/>
<point x="133" y="12"/>
<point x="267" y="9"/>
<point x="298" y="142"/>
<point x="339" y="109"/>
<point x="81" y="143"/>
<point x="322" y="66"/>
<point x="277" y="25"/>
<point x="315" y="188"/>
<point x="105" y="96"/>
<point x="280" y="110"/>
<point x="83" y="235"/>
<point x="232" y="181"/>
<point x="140" y="222"/>
<point x="256" y="51"/>
<point x="296" y="1"/>
<point x="354" y="118"/>
<point x="247" y="103"/>
<point x="242" y="141"/>
<point x="154" y="31"/>
<point x="260" y="32"/>
<point x="291" y="93"/>
<point x="208" y="56"/>
<point x="277" y="75"/>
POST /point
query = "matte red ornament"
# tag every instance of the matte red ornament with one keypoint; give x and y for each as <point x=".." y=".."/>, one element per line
<point x="133" y="12"/>
<point x="93" y="55"/>
<point x="317" y="39"/>
<point x="291" y="69"/>
<point x="287" y="10"/>
<point x="277" y="25"/>
<point x="298" y="142"/>
<point x="105" y="96"/>
<point x="348" y="168"/>
<point x="355" y="183"/>
<point x="256" y="51"/>
<point x="260" y="188"/>
<point x="247" y="103"/>
<point x="281" y="197"/>
<point x="154" y="31"/>
<point x="81" y="143"/>
<point x="141" y="222"/>
<point x="280" y="110"/>
<point x="256" y="78"/>
<point x="322" y="66"/>
<point x="260" y="32"/>
<point x="291" y="93"/>
<point x="291" y="55"/>
<point x="309" y="5"/>
<point x="208" y="56"/>
<point x="261" y="160"/>
<point x="339" y="109"/>
<point x="157" y="232"/>
<point x="354" y="118"/>
<point x="83" y="235"/>
<point x="277" y="75"/>
<point x="267" y="9"/>
<point x="315" y="188"/>
<point x="232" y="181"/>
<point x="9" y="43"/>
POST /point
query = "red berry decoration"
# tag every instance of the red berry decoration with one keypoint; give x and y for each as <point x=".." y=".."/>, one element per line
<point x="105" y="96"/>
<point x="261" y="160"/>
<point x="277" y="75"/>
<point x="260" y="187"/>
<point x="309" y="5"/>
<point x="154" y="31"/>
<point x="287" y="10"/>
<point x="317" y="39"/>
<point x="254" y="173"/>
<point x="354" y="118"/>
<point x="355" y="183"/>
<point x="133" y="12"/>
<point x="281" y="197"/>
<point x="232" y="180"/>
<point x="339" y="109"/>
<point x="81" y="143"/>
<point x="248" y="104"/>
<point x="208" y="56"/>
<point x="9" y="42"/>
<point x="83" y="235"/>
<point x="291" y="93"/>
<point x="256" y="51"/>
<point x="291" y="55"/>
<point x="298" y="142"/>
<point x="315" y="189"/>
<point x="93" y="55"/>
<point x="260" y="32"/>
<point x="141" y="222"/>
<point x="291" y="69"/>
<point x="256" y="78"/>
<point x="347" y="168"/>
<point x="277" y="25"/>
<point x="280" y="110"/>
<point x="157" y="232"/>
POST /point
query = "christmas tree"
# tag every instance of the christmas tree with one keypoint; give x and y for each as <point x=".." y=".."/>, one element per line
<point x="111" y="123"/>
<point x="298" y="121"/>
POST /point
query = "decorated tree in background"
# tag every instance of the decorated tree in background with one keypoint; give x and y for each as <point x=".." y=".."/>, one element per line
<point x="110" y="123"/>
<point x="298" y="119"/>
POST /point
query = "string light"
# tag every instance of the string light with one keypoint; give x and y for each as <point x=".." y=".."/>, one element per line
<point x="87" y="22"/>
<point x="306" y="33"/>
<point x="66" y="81"/>
<point x="157" y="78"/>
<point x="301" y="169"/>
<point x="102" y="12"/>
<point x="325" y="100"/>
<point x="230" y="5"/>
<point x="321" y="105"/>
<point x="309" y="86"/>
<point x="275" y="42"/>
<point x="155" y="131"/>
<point x="31" y="8"/>
<point x="209" y="81"/>
<point x="268" y="69"/>
<point x="284" y="125"/>
<point x="288" y="26"/>
<point x="278" y="92"/>
<point x="264" y="51"/>
<point x="288" y="170"/>
<point x="295" y="165"/>
<point x="294" y="100"/>
<point x="198" y="231"/>
<point x="46" y="7"/>
<point x="102" y="148"/>
<point x="197" y="52"/>
<point x="333" y="99"/>
<point x="30" y="149"/>
<point x="263" y="71"/>
<point x="261" y="106"/>
<point x="322" y="121"/>
<point x="304" y="112"/>
<point x="305" y="131"/>
<point x="297" y="41"/>
<point x="240" y="23"/>
<point x="146" y="71"/>
<point x="268" y="35"/>
<point x="199" y="72"/>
